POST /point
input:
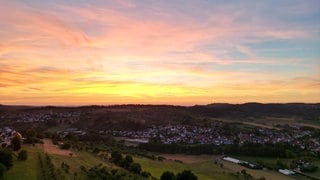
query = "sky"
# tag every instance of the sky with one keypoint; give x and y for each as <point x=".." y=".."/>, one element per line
<point x="182" y="52"/>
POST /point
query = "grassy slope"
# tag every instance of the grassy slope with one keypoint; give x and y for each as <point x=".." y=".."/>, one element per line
<point x="29" y="170"/>
<point x="83" y="158"/>
<point x="25" y="169"/>
<point x="204" y="170"/>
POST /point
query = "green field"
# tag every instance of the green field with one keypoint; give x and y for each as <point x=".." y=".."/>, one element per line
<point x="204" y="170"/>
<point x="25" y="169"/>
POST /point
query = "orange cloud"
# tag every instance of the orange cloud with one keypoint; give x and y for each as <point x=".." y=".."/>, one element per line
<point x="93" y="54"/>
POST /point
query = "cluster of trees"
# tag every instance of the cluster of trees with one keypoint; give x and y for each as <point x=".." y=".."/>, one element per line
<point x="31" y="136"/>
<point x="184" y="175"/>
<point x="280" y="150"/>
<point x="102" y="172"/>
<point x="127" y="163"/>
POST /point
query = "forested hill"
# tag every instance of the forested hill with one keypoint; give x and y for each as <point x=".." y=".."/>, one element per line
<point x="141" y="116"/>
<point x="298" y="110"/>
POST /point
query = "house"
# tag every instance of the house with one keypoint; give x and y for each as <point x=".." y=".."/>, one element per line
<point x="286" y="172"/>
<point x="233" y="160"/>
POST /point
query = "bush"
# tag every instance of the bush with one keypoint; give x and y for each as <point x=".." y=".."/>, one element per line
<point x="116" y="157"/>
<point x="65" y="146"/>
<point x="6" y="158"/>
<point x="145" y="174"/>
<point x="126" y="162"/>
<point x="135" y="168"/>
<point x="23" y="155"/>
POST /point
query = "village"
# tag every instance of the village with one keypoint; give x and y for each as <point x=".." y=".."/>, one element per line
<point x="181" y="134"/>
<point x="214" y="133"/>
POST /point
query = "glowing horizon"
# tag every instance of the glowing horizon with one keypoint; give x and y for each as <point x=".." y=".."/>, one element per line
<point x="159" y="52"/>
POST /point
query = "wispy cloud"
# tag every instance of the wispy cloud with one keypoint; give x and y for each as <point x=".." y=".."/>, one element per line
<point x="158" y="51"/>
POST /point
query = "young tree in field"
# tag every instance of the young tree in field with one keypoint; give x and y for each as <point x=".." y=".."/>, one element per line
<point x="23" y="155"/>
<point x="167" y="175"/>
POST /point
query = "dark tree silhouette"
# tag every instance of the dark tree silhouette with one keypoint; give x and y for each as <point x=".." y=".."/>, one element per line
<point x="16" y="142"/>
<point x="167" y="175"/>
<point x="186" y="175"/>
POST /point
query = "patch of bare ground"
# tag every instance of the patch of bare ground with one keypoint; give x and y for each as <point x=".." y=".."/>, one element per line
<point x="50" y="148"/>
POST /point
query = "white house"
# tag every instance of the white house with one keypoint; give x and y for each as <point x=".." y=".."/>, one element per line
<point x="286" y="172"/>
<point x="233" y="160"/>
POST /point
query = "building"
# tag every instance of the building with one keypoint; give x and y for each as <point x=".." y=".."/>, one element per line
<point x="286" y="172"/>
<point x="233" y="160"/>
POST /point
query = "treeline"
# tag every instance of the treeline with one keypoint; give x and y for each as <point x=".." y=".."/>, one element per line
<point x="101" y="172"/>
<point x="184" y="175"/>
<point x="280" y="150"/>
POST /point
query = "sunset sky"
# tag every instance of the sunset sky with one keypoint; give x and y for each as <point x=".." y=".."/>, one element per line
<point x="159" y="51"/>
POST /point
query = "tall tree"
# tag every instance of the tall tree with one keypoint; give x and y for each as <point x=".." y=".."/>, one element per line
<point x="16" y="142"/>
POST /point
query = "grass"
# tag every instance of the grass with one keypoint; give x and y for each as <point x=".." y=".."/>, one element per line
<point x="204" y="170"/>
<point x="28" y="169"/>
